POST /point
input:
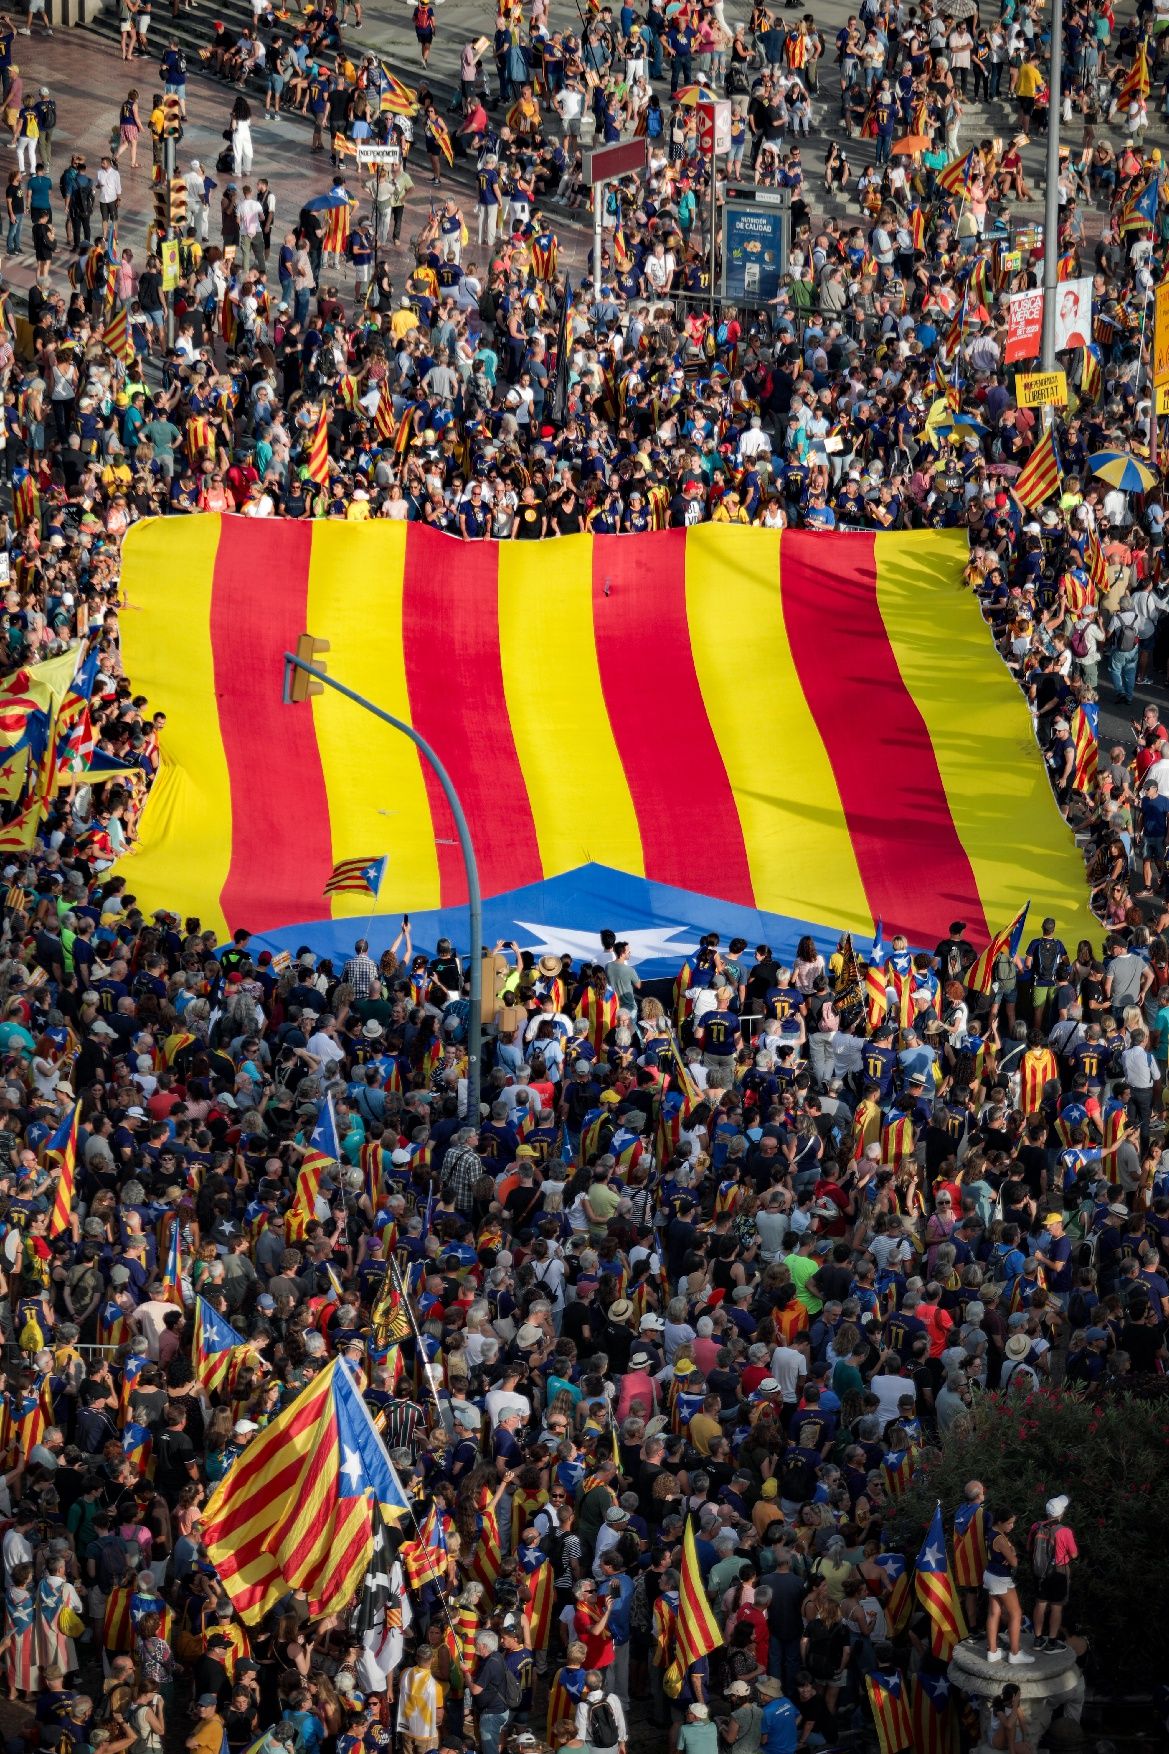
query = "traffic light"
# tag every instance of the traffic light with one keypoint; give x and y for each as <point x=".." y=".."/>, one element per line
<point x="178" y="205"/>
<point x="172" y="118"/>
<point x="297" y="686"/>
<point x="161" y="205"/>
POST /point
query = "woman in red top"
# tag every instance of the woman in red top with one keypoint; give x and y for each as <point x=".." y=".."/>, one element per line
<point x="591" y="1625"/>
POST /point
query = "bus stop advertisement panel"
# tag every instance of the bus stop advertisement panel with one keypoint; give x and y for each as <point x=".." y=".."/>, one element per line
<point x="754" y="252"/>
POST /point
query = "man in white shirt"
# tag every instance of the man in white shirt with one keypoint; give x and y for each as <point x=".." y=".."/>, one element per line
<point x="251" y="238"/>
<point x="788" y="1367"/>
<point x="323" y="1045"/>
<point x="504" y="1400"/>
<point x="754" y="441"/>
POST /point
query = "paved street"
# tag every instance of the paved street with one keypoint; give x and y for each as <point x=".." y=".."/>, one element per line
<point x="89" y="80"/>
<point x="85" y="70"/>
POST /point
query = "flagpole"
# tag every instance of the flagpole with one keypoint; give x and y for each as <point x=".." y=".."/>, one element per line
<point x="442" y="1408"/>
<point x="1051" y="199"/>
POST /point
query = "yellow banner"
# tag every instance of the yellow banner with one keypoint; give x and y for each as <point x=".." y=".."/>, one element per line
<point x="1042" y="390"/>
<point x="1161" y="335"/>
<point x="169" y="252"/>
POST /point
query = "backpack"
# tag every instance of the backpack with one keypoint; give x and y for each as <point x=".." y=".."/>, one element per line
<point x="1043" y="1548"/>
<point x="1126" y="638"/>
<point x="1079" y="643"/>
<point x="513" y="1692"/>
<point x="48" y="113"/>
<point x="1047" y="954"/>
<point x="602" y="1726"/>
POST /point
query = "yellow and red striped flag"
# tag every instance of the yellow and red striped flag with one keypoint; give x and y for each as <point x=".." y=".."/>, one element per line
<point x="487" y="1557"/>
<point x="1091" y="376"/>
<point x="356" y="877"/>
<point x="1096" y="564"/>
<point x="116" y="336"/>
<point x="933" y="1714"/>
<point x="1004" y="943"/>
<point x="936" y="1591"/>
<point x="908" y="650"/>
<point x="217" y="1351"/>
<point x="441" y="135"/>
<point x="324" y="1152"/>
<point x="61" y="1150"/>
<point x="969" y="1545"/>
<point x="318" y="450"/>
<point x="296" y="1510"/>
<point x="890" y="1709"/>
<point x="172" y="1273"/>
<point x="697" y="1630"/>
<point x="1038" y="479"/>
<point x="384" y="423"/>
<point x="1085" y="730"/>
<point x="1135" y="84"/>
<point x="426" y="1558"/>
<point x="954" y="178"/>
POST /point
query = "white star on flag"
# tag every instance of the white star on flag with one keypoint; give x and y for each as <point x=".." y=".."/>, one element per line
<point x="651" y="944"/>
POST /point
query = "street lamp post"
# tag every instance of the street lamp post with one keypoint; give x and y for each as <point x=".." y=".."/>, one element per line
<point x="294" y="666"/>
<point x="1051" y="193"/>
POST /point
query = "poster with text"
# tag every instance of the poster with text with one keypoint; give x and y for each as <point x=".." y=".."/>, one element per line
<point x="1024" y="326"/>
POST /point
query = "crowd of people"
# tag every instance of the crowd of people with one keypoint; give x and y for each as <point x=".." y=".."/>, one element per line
<point x="719" y="1257"/>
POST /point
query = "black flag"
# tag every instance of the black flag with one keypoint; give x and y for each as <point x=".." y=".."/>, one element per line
<point x="375" y="1590"/>
<point x="560" y="389"/>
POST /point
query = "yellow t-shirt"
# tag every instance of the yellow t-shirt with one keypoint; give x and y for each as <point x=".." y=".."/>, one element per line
<point x="1029" y="80"/>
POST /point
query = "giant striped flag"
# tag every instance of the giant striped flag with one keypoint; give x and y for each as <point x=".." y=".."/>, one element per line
<point x="61" y="1151"/>
<point x="936" y="1591"/>
<point x="1038" y="479"/>
<point x="1004" y="943"/>
<point x="217" y="1351"/>
<point x="857" y="629"/>
<point x="697" y="1631"/>
<point x="296" y="1511"/>
<point x="969" y="1545"/>
<point x="889" y="1704"/>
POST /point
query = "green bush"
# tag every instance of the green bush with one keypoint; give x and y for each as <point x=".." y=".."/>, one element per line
<point x="1112" y="1460"/>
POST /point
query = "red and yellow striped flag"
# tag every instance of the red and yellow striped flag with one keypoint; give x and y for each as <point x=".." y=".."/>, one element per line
<point x="1135" y="84"/>
<point x="61" y="1151"/>
<point x="890" y="1709"/>
<point x="954" y="178"/>
<point x="116" y="336"/>
<point x="296" y="1510"/>
<point x="1004" y="943"/>
<point x="697" y="1631"/>
<point x="318" y="450"/>
<point x="860" y="628"/>
<point x="1038" y="479"/>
